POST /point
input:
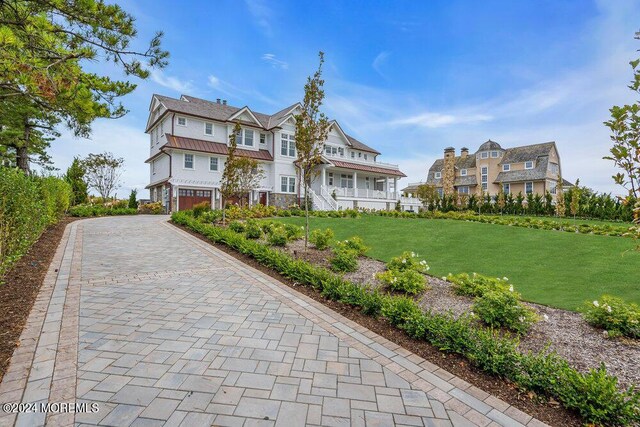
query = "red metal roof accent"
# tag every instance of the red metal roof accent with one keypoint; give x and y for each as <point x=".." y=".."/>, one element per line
<point x="191" y="144"/>
<point x="367" y="168"/>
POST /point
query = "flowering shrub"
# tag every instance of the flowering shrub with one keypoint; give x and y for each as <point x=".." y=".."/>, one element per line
<point x="354" y="243"/>
<point x="154" y="208"/>
<point x="613" y="315"/>
<point x="252" y="229"/>
<point x="503" y="309"/>
<point x="277" y="236"/>
<point x="408" y="281"/>
<point x="293" y="232"/>
<point x="476" y="285"/>
<point x="408" y="261"/>
<point x="236" y="226"/>
<point x="595" y="395"/>
<point x="344" y="259"/>
<point x="321" y="239"/>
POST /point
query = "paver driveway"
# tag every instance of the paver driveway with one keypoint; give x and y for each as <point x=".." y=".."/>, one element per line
<point x="159" y="328"/>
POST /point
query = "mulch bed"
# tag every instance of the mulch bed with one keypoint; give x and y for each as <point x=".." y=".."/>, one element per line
<point x="20" y="287"/>
<point x="550" y="413"/>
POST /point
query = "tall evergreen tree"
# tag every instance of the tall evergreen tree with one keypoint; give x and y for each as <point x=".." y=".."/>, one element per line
<point x="75" y="177"/>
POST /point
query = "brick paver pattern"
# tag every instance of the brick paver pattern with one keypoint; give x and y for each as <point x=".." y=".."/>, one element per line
<point x="160" y="328"/>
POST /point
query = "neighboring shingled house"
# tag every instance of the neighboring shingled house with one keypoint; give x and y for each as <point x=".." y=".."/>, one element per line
<point x="527" y="169"/>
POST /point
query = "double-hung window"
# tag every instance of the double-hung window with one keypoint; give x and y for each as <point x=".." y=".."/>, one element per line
<point x="245" y="137"/>
<point x="330" y="179"/>
<point x="437" y="175"/>
<point x="208" y="128"/>
<point x="182" y="121"/>
<point x="506" y="167"/>
<point x="506" y="188"/>
<point x="463" y="172"/>
<point x="346" y="181"/>
<point x="213" y="164"/>
<point x="494" y="154"/>
<point x="287" y="145"/>
<point x="528" y="187"/>
<point x="528" y="165"/>
<point x="263" y="138"/>
<point x="288" y="184"/>
<point x="188" y="161"/>
<point x="353" y="154"/>
<point x="484" y="155"/>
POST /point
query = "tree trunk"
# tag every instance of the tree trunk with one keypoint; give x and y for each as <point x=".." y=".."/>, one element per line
<point x="306" y="212"/>
<point x="22" y="152"/>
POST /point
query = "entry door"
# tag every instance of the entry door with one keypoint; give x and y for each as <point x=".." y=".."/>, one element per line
<point x="263" y="198"/>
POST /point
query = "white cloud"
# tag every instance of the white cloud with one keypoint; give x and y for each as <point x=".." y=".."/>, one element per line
<point x="436" y="120"/>
<point x="270" y="58"/>
<point x="261" y="14"/>
<point x="172" y="83"/>
<point x="379" y="61"/>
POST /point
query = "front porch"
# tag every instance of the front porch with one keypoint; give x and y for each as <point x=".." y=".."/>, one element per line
<point x="347" y="188"/>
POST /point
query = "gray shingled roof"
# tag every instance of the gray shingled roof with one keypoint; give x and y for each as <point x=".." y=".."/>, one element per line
<point x="527" y="152"/>
<point x="540" y="171"/>
<point x="465" y="180"/>
<point x="212" y="110"/>
<point x="489" y="145"/>
<point x="468" y="162"/>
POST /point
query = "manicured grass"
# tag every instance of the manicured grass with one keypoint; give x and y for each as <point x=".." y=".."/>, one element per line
<point x="577" y="221"/>
<point x="555" y="268"/>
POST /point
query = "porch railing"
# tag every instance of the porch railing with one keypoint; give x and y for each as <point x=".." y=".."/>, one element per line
<point x="362" y="193"/>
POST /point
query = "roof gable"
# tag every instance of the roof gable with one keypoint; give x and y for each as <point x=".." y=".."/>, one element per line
<point x="527" y="152"/>
<point x="246" y="115"/>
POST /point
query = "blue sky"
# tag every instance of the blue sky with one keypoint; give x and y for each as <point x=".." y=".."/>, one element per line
<point x="406" y="77"/>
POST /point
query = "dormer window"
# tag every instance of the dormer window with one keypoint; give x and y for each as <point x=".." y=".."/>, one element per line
<point x="182" y="121"/>
<point x="484" y="155"/>
<point x="528" y="165"/>
<point x="463" y="172"/>
<point x="437" y="175"/>
<point x="208" y="128"/>
<point x="506" y="167"/>
<point x="494" y="154"/>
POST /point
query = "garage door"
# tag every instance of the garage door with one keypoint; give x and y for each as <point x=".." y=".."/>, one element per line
<point x="189" y="197"/>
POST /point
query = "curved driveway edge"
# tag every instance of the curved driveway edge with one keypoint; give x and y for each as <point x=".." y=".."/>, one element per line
<point x="159" y="328"/>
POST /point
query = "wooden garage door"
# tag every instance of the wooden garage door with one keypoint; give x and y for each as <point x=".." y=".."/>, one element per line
<point x="189" y="197"/>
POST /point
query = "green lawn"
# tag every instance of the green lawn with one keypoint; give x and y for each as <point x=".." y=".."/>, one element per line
<point x="549" y="267"/>
<point x="575" y="221"/>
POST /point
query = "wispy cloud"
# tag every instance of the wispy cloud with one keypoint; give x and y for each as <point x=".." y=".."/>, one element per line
<point x="238" y="93"/>
<point x="379" y="61"/>
<point x="261" y="14"/>
<point x="171" y="82"/>
<point x="270" y="58"/>
<point x="437" y="120"/>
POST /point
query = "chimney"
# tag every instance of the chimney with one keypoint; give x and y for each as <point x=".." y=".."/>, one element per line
<point x="448" y="171"/>
<point x="217" y="100"/>
<point x="224" y="102"/>
<point x="464" y="152"/>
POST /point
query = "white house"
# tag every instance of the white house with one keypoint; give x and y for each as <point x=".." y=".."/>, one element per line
<point x="189" y="144"/>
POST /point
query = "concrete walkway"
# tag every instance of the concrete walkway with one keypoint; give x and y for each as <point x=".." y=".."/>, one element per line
<point x="155" y="327"/>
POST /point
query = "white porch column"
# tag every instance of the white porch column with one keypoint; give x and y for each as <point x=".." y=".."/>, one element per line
<point x="395" y="187"/>
<point x="324" y="176"/>
<point x="355" y="184"/>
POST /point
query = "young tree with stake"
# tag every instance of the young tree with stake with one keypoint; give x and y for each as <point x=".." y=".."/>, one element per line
<point x="312" y="129"/>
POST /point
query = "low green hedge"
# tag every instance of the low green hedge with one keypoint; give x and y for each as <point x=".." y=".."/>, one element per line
<point x="86" y="211"/>
<point x="28" y="204"/>
<point x="526" y="222"/>
<point x="594" y="395"/>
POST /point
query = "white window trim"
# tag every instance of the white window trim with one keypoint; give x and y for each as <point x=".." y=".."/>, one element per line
<point x="289" y="141"/>
<point x="506" y="167"/>
<point x="463" y="172"/>
<point x="153" y="167"/>
<point x="484" y="155"/>
<point x="525" y="187"/>
<point x="204" y="129"/>
<point x="265" y="138"/>
<point x="525" y="165"/>
<point x="218" y="164"/>
<point x="437" y="175"/>
<point x="193" y="161"/>
<point x="186" y="121"/>
<point x="508" y="186"/>
<point x="288" y="177"/>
